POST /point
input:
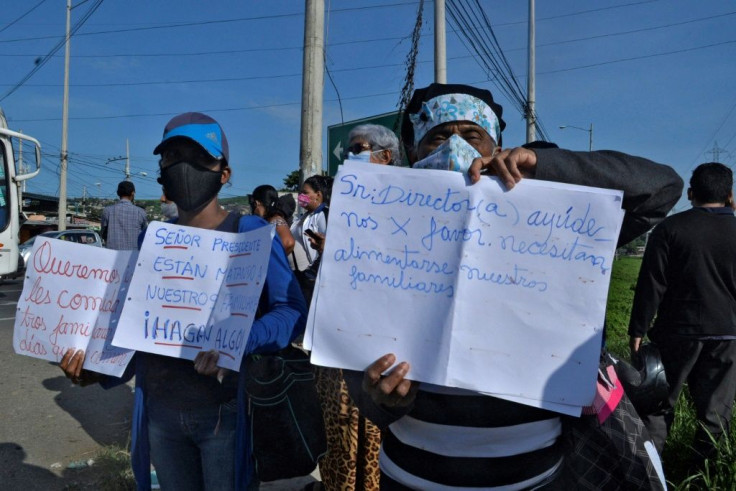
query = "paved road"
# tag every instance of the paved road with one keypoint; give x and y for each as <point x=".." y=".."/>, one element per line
<point x="46" y="422"/>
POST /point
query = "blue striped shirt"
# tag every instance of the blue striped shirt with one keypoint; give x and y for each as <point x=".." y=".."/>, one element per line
<point x="124" y="222"/>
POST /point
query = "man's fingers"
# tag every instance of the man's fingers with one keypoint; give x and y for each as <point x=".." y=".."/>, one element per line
<point x="496" y="165"/>
<point x="373" y="372"/>
<point x="206" y="362"/>
<point x="393" y="380"/>
<point x="78" y="363"/>
<point x="71" y="363"/>
<point x="404" y="388"/>
<point x="501" y="170"/>
<point x="64" y="363"/>
<point x="475" y="169"/>
<point x="510" y="166"/>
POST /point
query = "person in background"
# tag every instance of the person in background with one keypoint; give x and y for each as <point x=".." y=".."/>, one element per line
<point x="373" y="143"/>
<point x="122" y="222"/>
<point x="190" y="419"/>
<point x="168" y="209"/>
<point x="687" y="286"/>
<point x="315" y="199"/>
<point x="265" y="203"/>
<point x="428" y="429"/>
<point x="353" y="442"/>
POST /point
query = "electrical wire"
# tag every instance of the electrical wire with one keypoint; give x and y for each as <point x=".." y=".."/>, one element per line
<point x="13" y="22"/>
<point x="40" y="63"/>
<point x="478" y="37"/>
<point x="178" y="25"/>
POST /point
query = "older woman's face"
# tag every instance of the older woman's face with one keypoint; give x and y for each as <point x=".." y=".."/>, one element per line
<point x="378" y="155"/>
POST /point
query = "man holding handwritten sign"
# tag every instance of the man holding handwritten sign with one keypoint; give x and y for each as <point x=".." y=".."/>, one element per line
<point x="193" y="296"/>
<point x="441" y="434"/>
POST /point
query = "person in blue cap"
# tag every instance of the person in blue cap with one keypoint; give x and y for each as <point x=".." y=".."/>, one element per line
<point x="189" y="418"/>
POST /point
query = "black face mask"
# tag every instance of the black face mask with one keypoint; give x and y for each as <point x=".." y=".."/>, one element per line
<point x="190" y="185"/>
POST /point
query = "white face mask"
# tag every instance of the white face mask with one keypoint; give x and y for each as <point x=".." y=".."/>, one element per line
<point x="454" y="154"/>
<point x="364" y="156"/>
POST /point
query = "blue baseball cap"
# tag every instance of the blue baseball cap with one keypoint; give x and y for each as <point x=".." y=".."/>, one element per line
<point x="199" y="128"/>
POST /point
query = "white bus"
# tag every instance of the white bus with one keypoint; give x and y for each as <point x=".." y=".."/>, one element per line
<point x="10" y="182"/>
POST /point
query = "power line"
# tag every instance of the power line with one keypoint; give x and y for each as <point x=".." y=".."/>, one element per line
<point x="579" y="12"/>
<point x="479" y="37"/>
<point x="208" y="22"/>
<point x="11" y="23"/>
<point x="40" y="63"/>
<point x="372" y="40"/>
<point x="373" y="67"/>
<point x="266" y="106"/>
<point x="220" y="110"/>
<point x="234" y="79"/>
<point x="642" y="57"/>
<point x="489" y="79"/>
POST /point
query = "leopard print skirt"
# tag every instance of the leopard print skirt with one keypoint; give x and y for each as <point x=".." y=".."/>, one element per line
<point x="351" y="462"/>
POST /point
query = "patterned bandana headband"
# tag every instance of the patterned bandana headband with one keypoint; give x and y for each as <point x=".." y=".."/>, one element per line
<point x="454" y="107"/>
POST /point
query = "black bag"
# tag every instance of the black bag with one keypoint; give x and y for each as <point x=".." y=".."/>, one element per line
<point x="284" y="412"/>
<point x="610" y="451"/>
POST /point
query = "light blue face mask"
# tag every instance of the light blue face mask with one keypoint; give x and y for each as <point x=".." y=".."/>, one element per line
<point x="454" y="154"/>
<point x="364" y="156"/>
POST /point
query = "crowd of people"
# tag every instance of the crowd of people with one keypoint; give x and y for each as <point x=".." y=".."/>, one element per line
<point x="384" y="430"/>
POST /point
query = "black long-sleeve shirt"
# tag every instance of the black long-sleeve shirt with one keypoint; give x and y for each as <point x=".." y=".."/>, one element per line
<point x="460" y="438"/>
<point x="688" y="276"/>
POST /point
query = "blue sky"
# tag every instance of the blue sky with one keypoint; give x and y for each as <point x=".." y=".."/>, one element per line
<point x="655" y="78"/>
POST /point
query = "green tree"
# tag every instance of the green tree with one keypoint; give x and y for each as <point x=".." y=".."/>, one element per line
<point x="291" y="181"/>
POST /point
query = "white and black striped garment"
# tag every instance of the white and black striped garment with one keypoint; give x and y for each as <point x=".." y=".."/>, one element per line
<point x="456" y="439"/>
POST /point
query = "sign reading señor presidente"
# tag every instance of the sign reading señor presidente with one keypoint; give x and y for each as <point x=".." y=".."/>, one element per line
<point x="193" y="290"/>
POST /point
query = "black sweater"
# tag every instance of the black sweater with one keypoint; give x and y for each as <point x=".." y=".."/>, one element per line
<point x="464" y="439"/>
<point x="688" y="276"/>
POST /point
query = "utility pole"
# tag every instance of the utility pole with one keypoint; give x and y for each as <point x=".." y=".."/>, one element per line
<point x="310" y="151"/>
<point x="127" y="160"/>
<point x="65" y="122"/>
<point x="716" y="152"/>
<point x="531" y="118"/>
<point x="440" y="43"/>
<point x="22" y="170"/>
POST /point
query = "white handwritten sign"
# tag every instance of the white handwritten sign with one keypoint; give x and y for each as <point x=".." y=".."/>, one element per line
<point x="477" y="287"/>
<point x="193" y="290"/>
<point x="72" y="296"/>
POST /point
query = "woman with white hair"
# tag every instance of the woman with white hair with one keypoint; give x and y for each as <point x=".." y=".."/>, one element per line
<point x="373" y="143"/>
<point x="353" y="442"/>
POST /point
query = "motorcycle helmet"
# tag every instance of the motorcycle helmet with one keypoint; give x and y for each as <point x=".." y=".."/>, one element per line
<point x="645" y="382"/>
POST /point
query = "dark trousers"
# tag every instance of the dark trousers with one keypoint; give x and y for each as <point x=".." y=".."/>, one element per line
<point x="709" y="368"/>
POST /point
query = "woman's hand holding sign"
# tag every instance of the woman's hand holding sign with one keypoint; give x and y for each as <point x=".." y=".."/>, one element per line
<point x="205" y="363"/>
<point x="71" y="364"/>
